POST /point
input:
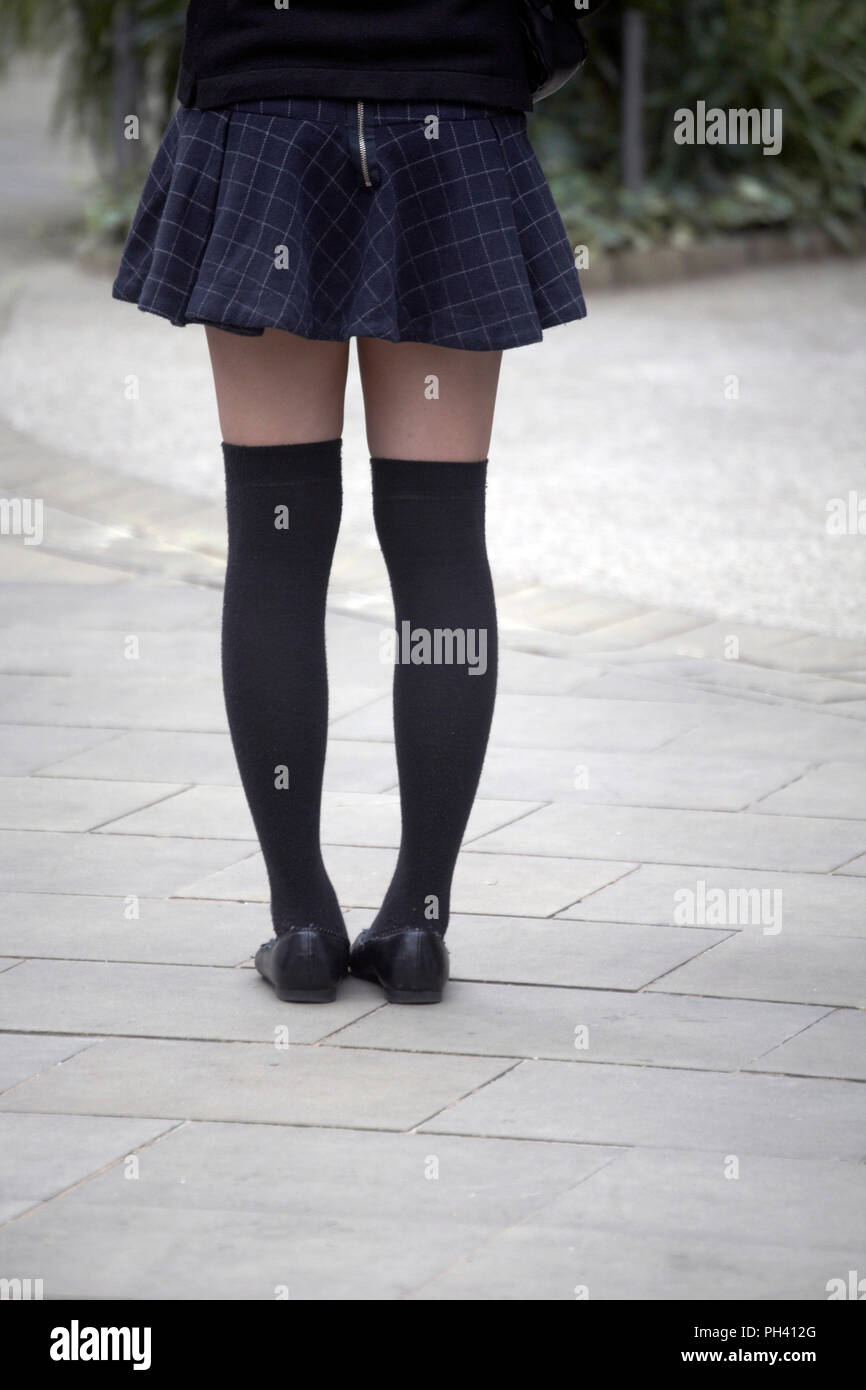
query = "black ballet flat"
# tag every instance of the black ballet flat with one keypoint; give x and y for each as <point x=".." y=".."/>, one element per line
<point x="410" y="963"/>
<point x="304" y="965"/>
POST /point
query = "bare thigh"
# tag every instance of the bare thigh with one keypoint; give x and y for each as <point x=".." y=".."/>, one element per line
<point x="426" y="402"/>
<point x="278" y="388"/>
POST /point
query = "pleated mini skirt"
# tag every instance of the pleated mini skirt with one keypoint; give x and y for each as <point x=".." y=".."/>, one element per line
<point x="425" y="222"/>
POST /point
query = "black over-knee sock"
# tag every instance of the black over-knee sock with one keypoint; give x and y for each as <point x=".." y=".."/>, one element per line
<point x="430" y="522"/>
<point x="283" y="504"/>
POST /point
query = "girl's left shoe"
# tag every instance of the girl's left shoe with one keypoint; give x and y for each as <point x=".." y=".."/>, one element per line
<point x="304" y="965"/>
<point x="410" y="963"/>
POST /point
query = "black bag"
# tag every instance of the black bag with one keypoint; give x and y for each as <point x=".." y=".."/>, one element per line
<point x="555" y="46"/>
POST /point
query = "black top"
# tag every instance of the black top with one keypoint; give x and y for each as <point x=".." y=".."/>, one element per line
<point x="450" y="50"/>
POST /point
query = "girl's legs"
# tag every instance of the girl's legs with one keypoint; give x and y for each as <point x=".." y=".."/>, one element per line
<point x="428" y="402"/>
<point x="278" y="389"/>
<point x="280" y="401"/>
<point x="429" y="419"/>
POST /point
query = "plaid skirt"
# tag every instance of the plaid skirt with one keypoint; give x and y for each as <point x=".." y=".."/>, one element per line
<point x="427" y="222"/>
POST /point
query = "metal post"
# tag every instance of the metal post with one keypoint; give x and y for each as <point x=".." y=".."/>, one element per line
<point x="125" y="85"/>
<point x="633" y="48"/>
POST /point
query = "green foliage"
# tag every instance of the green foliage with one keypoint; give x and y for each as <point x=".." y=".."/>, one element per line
<point x="82" y="33"/>
<point x="806" y="56"/>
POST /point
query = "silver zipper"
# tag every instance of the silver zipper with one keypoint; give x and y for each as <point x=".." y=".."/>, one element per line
<point x="362" y="146"/>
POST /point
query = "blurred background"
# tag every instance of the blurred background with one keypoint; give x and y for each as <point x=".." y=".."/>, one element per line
<point x="691" y="444"/>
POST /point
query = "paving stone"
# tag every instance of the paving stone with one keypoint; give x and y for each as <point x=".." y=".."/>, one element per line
<point x="534" y="1263"/>
<point x="494" y="884"/>
<point x="857" y="867"/>
<point x="73" y="536"/>
<point x="834" y="1046"/>
<point x="809" y="904"/>
<point x="684" y="837"/>
<point x="260" y="1084"/>
<point x="171" y="932"/>
<point x="166" y="931"/>
<point x="833" y="789"/>
<point x="355" y="818"/>
<point x="32" y="565"/>
<point x="373" y="602"/>
<point x="136" y="605"/>
<point x="141" y="505"/>
<point x="45" y="1154"/>
<point x="24" y="750"/>
<point x="346" y="670"/>
<point x="43" y="861"/>
<point x="819" y="654"/>
<point x="557" y="721"/>
<point x="209" y="759"/>
<point x="666" y="1225"/>
<point x="77" y="487"/>
<point x="359" y="818"/>
<point x="22" y="1056"/>
<point x="584" y="1025"/>
<point x="355" y="651"/>
<point x="597" y="1103"/>
<point x="623" y="685"/>
<point x="651" y="626"/>
<point x="202" y="529"/>
<point x="817" y="735"/>
<point x="543" y="642"/>
<point x="113" y="703"/>
<point x="338" y="1232"/>
<point x="523" y="950"/>
<point x="352" y="766"/>
<point x="43" y="803"/>
<point x="748" y="965"/>
<point x="851" y="709"/>
<point x="21" y="463"/>
<point x="202" y="813"/>
<point x="63" y="651"/>
<point x="712" y="641"/>
<point x="345" y="700"/>
<point x="524" y="673"/>
<point x="744" y="677"/>
<point x="159" y="755"/>
<point x="567" y="609"/>
<point x="633" y="779"/>
<point x="167" y="1001"/>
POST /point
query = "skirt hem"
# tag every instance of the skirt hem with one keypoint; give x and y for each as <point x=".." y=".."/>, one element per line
<point x="386" y="333"/>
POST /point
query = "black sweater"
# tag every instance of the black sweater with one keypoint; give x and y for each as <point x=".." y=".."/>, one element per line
<point x="457" y="50"/>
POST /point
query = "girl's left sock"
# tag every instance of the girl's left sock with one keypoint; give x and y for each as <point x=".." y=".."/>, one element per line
<point x="430" y="519"/>
<point x="283" y="505"/>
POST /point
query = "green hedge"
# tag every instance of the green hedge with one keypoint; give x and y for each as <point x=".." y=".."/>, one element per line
<point x="807" y="57"/>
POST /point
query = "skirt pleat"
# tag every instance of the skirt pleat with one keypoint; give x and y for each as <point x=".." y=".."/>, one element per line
<point x="440" y="228"/>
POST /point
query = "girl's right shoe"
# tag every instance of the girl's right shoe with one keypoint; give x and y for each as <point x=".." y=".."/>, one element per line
<point x="304" y="965"/>
<point x="410" y="963"/>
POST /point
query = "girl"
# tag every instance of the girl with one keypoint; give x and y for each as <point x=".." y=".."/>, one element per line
<point x="341" y="171"/>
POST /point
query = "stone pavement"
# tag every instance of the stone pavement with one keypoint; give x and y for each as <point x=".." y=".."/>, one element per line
<point x="644" y="1081"/>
